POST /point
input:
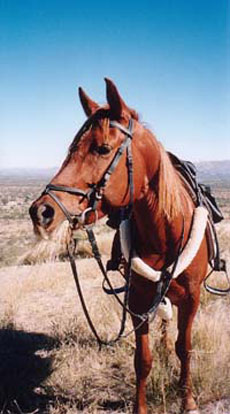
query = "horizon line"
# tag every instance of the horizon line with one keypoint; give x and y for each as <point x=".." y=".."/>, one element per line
<point x="56" y="167"/>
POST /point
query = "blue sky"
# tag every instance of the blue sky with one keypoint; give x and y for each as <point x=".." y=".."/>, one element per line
<point x="169" y="59"/>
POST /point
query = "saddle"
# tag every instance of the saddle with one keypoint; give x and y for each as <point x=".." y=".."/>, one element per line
<point x="201" y="195"/>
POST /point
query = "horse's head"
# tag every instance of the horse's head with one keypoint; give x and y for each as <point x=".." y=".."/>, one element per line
<point x="94" y="178"/>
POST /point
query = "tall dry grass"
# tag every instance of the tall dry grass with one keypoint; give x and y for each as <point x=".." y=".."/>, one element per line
<point x="70" y="375"/>
<point x="52" y="362"/>
<point x="55" y="247"/>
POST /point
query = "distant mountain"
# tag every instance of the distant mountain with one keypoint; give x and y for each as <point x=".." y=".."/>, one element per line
<point x="214" y="171"/>
<point x="27" y="174"/>
<point x="208" y="171"/>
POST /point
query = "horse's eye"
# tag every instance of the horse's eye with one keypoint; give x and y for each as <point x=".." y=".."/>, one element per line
<point x="104" y="149"/>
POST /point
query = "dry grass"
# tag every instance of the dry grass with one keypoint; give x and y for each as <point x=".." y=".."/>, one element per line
<point x="50" y="362"/>
<point x="43" y="327"/>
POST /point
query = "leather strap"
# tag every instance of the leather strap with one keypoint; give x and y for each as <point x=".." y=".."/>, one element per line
<point x="65" y="189"/>
<point x="127" y="131"/>
<point x="94" y="193"/>
<point x="116" y="159"/>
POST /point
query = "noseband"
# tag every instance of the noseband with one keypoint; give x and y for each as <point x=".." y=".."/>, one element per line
<point x="94" y="194"/>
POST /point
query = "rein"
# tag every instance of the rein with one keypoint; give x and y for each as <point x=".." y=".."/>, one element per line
<point x="162" y="288"/>
<point x="94" y="195"/>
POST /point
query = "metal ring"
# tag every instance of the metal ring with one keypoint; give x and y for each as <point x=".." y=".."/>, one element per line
<point x="82" y="217"/>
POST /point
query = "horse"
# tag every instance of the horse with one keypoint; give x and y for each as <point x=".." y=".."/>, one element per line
<point x="168" y="229"/>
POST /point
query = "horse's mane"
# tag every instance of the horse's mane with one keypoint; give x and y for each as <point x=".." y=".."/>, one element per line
<point x="172" y="194"/>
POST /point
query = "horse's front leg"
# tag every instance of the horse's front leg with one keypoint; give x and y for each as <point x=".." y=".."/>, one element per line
<point x="186" y="313"/>
<point x="143" y="364"/>
<point x="143" y="357"/>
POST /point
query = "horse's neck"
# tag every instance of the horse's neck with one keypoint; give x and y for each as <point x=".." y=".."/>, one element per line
<point x="162" y="207"/>
<point x="157" y="238"/>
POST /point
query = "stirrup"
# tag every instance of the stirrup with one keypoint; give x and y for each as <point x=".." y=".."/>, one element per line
<point x="219" y="266"/>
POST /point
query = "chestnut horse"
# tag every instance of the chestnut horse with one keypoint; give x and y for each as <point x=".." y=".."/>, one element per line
<point x="162" y="209"/>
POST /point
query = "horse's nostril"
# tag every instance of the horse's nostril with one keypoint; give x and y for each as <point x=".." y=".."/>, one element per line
<point x="46" y="213"/>
<point x="42" y="214"/>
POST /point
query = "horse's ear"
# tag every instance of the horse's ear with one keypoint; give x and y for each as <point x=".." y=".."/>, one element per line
<point x="114" y="99"/>
<point x="88" y="104"/>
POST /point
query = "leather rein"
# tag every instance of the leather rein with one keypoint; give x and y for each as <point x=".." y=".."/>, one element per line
<point x="94" y="195"/>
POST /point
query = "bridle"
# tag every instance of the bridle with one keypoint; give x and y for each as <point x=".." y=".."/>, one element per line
<point x="95" y="192"/>
<point x="94" y="195"/>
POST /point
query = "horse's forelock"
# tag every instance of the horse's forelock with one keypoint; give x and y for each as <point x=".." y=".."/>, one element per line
<point x="99" y="115"/>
